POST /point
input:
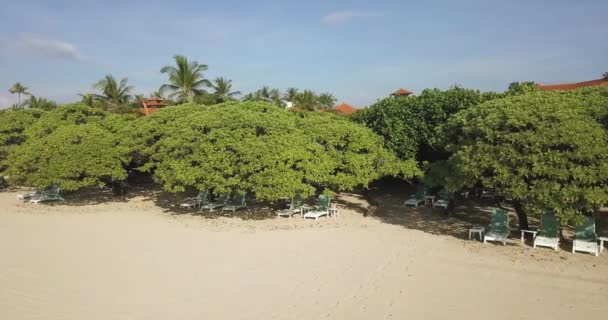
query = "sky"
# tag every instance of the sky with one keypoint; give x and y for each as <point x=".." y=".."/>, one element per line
<point x="358" y="50"/>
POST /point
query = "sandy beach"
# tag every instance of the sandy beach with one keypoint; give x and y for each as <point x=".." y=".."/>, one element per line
<point x="134" y="259"/>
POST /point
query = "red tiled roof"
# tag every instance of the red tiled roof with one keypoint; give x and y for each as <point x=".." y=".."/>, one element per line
<point x="402" y="92"/>
<point x="151" y="105"/>
<point x="572" y="86"/>
<point x="345" y="109"/>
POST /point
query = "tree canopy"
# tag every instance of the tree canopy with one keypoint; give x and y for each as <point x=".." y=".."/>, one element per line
<point x="408" y="124"/>
<point x="544" y="150"/>
<point x="73" y="146"/>
<point x="259" y="148"/>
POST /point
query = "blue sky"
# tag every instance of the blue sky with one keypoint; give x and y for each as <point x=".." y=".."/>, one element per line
<point x="358" y="50"/>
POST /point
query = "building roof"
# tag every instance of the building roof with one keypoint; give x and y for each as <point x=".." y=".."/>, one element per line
<point x="153" y="102"/>
<point x="572" y="86"/>
<point x="402" y="92"/>
<point x="345" y="109"/>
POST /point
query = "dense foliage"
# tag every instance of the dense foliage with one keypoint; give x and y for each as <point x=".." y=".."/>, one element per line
<point x="544" y="150"/>
<point x="408" y="124"/>
<point x="13" y="124"/>
<point x="259" y="148"/>
<point x="73" y="146"/>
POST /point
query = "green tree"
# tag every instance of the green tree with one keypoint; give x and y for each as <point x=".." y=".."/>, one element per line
<point x="113" y="92"/>
<point x="74" y="146"/>
<point x="223" y="90"/>
<point x="543" y="149"/>
<point x="290" y="94"/>
<point x="186" y="79"/>
<point x="307" y="100"/>
<point x="516" y="88"/>
<point x="13" y="124"/>
<point x="327" y="100"/>
<point x="605" y="76"/>
<point x="87" y="99"/>
<point x="19" y="89"/>
<point x="40" y="103"/>
<point x="258" y="148"/>
<point x="408" y="124"/>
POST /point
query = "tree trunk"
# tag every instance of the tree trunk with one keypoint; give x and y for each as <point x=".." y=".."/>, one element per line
<point x="521" y="215"/>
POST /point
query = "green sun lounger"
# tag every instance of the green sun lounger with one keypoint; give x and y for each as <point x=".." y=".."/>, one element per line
<point x="200" y="200"/>
<point x="585" y="238"/>
<point x="295" y="207"/>
<point x="235" y="203"/>
<point x="415" y="200"/>
<point x="321" y="208"/>
<point x="548" y="233"/>
<point x="498" y="229"/>
<point x="51" y="194"/>
<point x="220" y="202"/>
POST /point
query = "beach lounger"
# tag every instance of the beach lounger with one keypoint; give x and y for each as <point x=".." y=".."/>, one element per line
<point x="28" y="195"/>
<point x="295" y="207"/>
<point x="443" y="200"/>
<point x="548" y="233"/>
<point x="220" y="202"/>
<point x="321" y="208"/>
<point x="51" y="194"/>
<point x="498" y="229"/>
<point x="585" y="238"/>
<point x="201" y="199"/>
<point x="415" y="200"/>
<point x="236" y="202"/>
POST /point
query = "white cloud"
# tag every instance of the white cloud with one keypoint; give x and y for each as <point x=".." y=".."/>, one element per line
<point x="345" y="16"/>
<point x="41" y="46"/>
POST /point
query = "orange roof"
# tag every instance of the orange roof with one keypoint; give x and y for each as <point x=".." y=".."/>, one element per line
<point x="402" y="92"/>
<point x="345" y="109"/>
<point x="572" y="86"/>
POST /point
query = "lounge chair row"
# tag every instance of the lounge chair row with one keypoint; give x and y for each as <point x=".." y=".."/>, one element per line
<point x="225" y="202"/>
<point x="319" y="209"/>
<point x="237" y="201"/>
<point x="442" y="200"/>
<point x="53" y="193"/>
<point x="548" y="234"/>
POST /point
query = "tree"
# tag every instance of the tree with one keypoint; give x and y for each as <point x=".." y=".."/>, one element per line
<point x="290" y="94"/>
<point x="256" y="147"/>
<point x="516" y="88"/>
<point x="87" y="99"/>
<point x="327" y="100"/>
<point x="543" y="149"/>
<point x="186" y="79"/>
<point x="40" y="103"/>
<point x="74" y="146"/>
<point x="408" y="124"/>
<point x="222" y="90"/>
<point x="19" y="89"/>
<point x="266" y="94"/>
<point x="605" y="76"/>
<point x="13" y="124"/>
<point x="307" y="100"/>
<point x="113" y="92"/>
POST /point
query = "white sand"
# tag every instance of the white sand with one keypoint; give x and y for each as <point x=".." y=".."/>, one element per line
<point x="131" y="260"/>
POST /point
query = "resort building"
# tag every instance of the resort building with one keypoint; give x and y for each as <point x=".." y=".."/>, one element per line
<point x="345" y="109"/>
<point x="152" y="105"/>
<point x="401" y="93"/>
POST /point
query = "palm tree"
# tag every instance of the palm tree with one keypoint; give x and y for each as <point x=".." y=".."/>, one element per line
<point x="19" y="89"/>
<point x="40" y="103"/>
<point x="307" y="100"/>
<point x="605" y="76"/>
<point x="185" y="79"/>
<point x="87" y="98"/>
<point x="222" y="87"/>
<point x="112" y="91"/>
<point x="326" y="100"/>
<point x="290" y="94"/>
